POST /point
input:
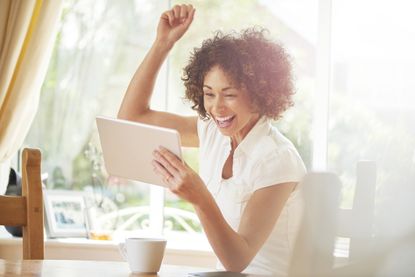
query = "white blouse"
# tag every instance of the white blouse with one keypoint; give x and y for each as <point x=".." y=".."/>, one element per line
<point x="264" y="158"/>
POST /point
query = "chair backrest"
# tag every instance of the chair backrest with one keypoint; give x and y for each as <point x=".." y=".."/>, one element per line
<point x="357" y="223"/>
<point x="323" y="221"/>
<point x="313" y="252"/>
<point x="27" y="210"/>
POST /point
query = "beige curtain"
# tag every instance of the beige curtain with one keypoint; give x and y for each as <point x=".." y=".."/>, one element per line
<point x="27" y="33"/>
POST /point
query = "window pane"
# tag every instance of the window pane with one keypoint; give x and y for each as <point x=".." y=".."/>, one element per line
<point x="98" y="48"/>
<point x="372" y="110"/>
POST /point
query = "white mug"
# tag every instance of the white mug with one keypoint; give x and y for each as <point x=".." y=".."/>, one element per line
<point x="143" y="254"/>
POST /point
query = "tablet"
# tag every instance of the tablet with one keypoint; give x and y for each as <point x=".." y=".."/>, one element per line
<point x="128" y="147"/>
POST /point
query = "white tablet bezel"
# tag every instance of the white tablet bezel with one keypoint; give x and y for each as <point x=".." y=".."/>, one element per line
<point x="128" y="147"/>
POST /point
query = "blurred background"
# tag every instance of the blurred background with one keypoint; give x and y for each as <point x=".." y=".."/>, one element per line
<point x="353" y="64"/>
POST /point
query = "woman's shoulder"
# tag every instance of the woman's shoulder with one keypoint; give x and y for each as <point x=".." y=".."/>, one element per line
<point x="275" y="148"/>
<point x="279" y="161"/>
<point x="272" y="143"/>
<point x="280" y="140"/>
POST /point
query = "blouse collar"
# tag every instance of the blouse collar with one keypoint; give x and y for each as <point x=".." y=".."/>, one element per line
<point x="251" y="140"/>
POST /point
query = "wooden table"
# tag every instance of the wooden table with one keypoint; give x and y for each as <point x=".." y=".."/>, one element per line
<point x="71" y="268"/>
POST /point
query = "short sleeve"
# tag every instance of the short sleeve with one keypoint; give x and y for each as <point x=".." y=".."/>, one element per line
<point x="279" y="166"/>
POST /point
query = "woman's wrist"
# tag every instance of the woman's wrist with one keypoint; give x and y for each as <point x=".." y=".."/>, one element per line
<point x="162" y="45"/>
<point x="204" y="201"/>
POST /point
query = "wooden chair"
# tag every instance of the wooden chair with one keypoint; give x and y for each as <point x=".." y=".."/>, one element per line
<point x="27" y="210"/>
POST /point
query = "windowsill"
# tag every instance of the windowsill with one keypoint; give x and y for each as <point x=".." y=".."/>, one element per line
<point x="179" y="251"/>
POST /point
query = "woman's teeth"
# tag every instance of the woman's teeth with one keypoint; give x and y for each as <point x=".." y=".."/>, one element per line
<point x="224" y="122"/>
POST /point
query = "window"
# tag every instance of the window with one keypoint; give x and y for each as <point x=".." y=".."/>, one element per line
<point x="98" y="48"/>
<point x="372" y="110"/>
<point x="369" y="100"/>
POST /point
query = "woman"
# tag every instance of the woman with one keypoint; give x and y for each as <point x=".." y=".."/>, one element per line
<point x="247" y="196"/>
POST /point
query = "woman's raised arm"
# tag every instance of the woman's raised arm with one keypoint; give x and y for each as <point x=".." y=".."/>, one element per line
<point x="136" y="103"/>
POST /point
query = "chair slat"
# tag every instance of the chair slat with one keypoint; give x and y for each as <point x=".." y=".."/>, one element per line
<point x="13" y="210"/>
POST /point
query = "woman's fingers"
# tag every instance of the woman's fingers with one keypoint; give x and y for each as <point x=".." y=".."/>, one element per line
<point x="189" y="18"/>
<point x="185" y="12"/>
<point x="183" y="182"/>
<point x="162" y="160"/>
<point x="172" y="159"/>
<point x="160" y="170"/>
<point x="176" y="11"/>
<point x="181" y="14"/>
<point x="181" y="169"/>
<point x="170" y="16"/>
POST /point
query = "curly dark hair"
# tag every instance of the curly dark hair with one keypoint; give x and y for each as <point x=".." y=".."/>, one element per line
<point x="252" y="62"/>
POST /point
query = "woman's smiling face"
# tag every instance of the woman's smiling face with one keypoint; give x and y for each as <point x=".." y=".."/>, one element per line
<point x="229" y="106"/>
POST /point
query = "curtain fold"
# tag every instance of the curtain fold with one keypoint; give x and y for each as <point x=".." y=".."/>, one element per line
<point x="27" y="32"/>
